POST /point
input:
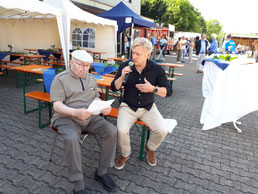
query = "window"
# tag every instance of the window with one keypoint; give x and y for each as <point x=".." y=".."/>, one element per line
<point x="89" y="38"/>
<point x="77" y="37"/>
<point x="84" y="37"/>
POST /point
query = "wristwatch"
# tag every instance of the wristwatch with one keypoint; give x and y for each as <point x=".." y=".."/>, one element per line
<point x="155" y="90"/>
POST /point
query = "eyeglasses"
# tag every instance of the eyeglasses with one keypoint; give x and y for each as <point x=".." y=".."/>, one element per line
<point x="81" y="65"/>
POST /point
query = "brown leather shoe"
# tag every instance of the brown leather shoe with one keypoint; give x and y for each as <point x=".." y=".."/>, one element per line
<point x="151" y="158"/>
<point x="120" y="162"/>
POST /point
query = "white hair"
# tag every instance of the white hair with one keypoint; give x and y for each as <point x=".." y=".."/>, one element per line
<point x="145" y="43"/>
<point x="214" y="35"/>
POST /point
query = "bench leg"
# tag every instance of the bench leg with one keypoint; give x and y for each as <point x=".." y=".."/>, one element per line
<point x="40" y="107"/>
<point x="142" y="143"/>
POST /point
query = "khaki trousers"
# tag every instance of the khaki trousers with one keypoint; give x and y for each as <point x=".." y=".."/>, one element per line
<point x="201" y="57"/>
<point x="152" y="118"/>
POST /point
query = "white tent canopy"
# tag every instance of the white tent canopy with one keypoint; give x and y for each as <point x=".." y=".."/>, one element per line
<point x="72" y="12"/>
<point x="63" y="10"/>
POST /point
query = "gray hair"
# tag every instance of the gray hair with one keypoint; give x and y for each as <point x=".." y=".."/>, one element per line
<point x="145" y="43"/>
<point x="214" y="35"/>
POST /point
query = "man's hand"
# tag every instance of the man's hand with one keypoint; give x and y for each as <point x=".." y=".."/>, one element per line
<point x="125" y="70"/>
<point x="82" y="113"/>
<point x="146" y="87"/>
<point x="106" y="111"/>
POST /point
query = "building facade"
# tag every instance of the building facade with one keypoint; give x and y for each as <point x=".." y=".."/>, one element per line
<point x="99" y="6"/>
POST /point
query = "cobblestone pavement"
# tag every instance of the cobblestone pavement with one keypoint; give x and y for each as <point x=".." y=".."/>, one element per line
<point x="189" y="161"/>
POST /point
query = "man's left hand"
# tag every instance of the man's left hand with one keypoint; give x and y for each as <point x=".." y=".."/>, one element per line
<point x="106" y="111"/>
<point x="146" y="87"/>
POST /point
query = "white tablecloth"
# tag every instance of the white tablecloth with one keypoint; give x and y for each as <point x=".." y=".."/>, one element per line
<point x="229" y="94"/>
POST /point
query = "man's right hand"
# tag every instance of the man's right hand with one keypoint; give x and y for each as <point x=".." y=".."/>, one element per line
<point x="125" y="70"/>
<point x="82" y="113"/>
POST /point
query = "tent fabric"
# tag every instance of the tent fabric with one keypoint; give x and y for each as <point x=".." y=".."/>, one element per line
<point x="120" y="12"/>
<point x="26" y="9"/>
<point x="63" y="10"/>
<point x="70" y="12"/>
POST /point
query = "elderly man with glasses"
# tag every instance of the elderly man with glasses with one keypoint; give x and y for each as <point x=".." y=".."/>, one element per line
<point x="72" y="92"/>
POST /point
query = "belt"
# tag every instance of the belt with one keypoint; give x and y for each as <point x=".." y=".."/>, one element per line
<point x="202" y="53"/>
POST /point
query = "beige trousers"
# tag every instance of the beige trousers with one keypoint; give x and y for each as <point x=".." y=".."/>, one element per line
<point x="201" y="57"/>
<point x="152" y="118"/>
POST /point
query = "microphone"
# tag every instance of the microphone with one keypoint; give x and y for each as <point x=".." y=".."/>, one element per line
<point x="127" y="75"/>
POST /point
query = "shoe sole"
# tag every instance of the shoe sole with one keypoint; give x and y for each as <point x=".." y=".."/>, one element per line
<point x="119" y="168"/>
<point x="151" y="163"/>
<point x="104" y="186"/>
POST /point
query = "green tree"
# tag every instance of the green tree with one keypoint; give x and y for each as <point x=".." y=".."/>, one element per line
<point x="213" y="26"/>
<point x="154" y="9"/>
<point x="180" y="13"/>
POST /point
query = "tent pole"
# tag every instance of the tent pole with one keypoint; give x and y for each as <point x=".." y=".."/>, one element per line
<point x="130" y="45"/>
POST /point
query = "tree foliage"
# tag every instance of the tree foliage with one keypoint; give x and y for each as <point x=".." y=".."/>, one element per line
<point x="213" y="26"/>
<point x="180" y="13"/>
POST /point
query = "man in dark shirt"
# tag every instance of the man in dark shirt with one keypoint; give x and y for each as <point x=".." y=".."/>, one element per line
<point x="145" y="79"/>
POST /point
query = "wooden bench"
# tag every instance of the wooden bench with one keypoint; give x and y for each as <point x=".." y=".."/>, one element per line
<point x="14" y="62"/>
<point x="6" y="68"/>
<point x="43" y="99"/>
<point x="114" y="113"/>
<point x="53" y="63"/>
<point x="175" y="74"/>
<point x="107" y="75"/>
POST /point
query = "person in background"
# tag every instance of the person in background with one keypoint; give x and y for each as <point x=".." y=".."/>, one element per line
<point x="179" y="50"/>
<point x="190" y="49"/>
<point x="253" y="46"/>
<point x="72" y="91"/>
<point x="197" y="38"/>
<point x="127" y="46"/>
<point x="145" y="80"/>
<point x="201" y="52"/>
<point x="154" y="42"/>
<point x="183" y="43"/>
<point x="163" y="44"/>
<point x="214" y="45"/>
<point x="230" y="45"/>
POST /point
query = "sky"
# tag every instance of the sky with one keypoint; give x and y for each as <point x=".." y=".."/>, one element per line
<point x="236" y="16"/>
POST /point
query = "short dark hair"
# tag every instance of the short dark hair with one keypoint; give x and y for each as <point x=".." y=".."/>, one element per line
<point x="229" y="36"/>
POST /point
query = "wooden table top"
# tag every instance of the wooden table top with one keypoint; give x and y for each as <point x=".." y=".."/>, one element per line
<point x="32" y="68"/>
<point x="31" y="49"/>
<point x="106" y="82"/>
<point x="38" y="69"/>
<point x="117" y="59"/>
<point x="28" y="55"/>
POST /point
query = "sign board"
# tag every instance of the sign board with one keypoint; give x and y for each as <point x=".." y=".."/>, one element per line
<point x="171" y="28"/>
<point x="128" y="20"/>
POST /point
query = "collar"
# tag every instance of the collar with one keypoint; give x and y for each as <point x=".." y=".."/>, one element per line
<point x="149" y="66"/>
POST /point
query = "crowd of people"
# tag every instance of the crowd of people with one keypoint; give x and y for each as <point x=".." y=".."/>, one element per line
<point x="185" y="46"/>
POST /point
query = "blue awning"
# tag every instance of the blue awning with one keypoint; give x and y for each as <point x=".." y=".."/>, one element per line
<point x="120" y="12"/>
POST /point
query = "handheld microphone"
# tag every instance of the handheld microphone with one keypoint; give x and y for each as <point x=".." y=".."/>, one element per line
<point x="127" y="75"/>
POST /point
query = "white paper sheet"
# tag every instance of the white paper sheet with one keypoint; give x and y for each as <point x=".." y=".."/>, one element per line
<point x="98" y="105"/>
